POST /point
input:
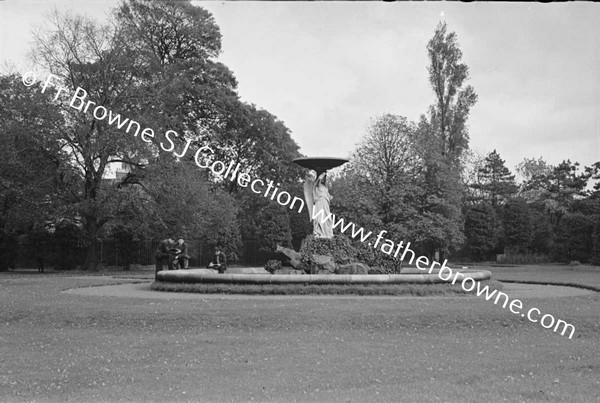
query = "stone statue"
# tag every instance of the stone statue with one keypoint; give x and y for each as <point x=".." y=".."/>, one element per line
<point x="317" y="199"/>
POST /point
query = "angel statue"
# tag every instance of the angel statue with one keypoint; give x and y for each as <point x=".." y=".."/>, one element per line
<point x="317" y="198"/>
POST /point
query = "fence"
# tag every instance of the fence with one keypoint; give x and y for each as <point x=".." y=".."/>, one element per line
<point x="112" y="253"/>
<point x="65" y="254"/>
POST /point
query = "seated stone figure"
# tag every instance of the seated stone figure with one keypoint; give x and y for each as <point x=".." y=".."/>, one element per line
<point x="219" y="261"/>
<point x="181" y="259"/>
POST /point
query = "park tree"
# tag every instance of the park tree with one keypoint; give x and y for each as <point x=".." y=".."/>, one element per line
<point x="595" y="254"/>
<point x="83" y="53"/>
<point x="181" y="84"/>
<point x="274" y="229"/>
<point x="200" y="101"/>
<point x="542" y="234"/>
<point x="387" y="162"/>
<point x="352" y="200"/>
<point x="495" y="181"/>
<point x="453" y="102"/>
<point x="573" y="238"/>
<point x="533" y="167"/>
<point x="443" y="190"/>
<point x="385" y="187"/>
<point x="527" y="170"/>
<point x="442" y="136"/>
<point x="558" y="188"/>
<point x="155" y="65"/>
<point x="483" y="231"/>
<point x="517" y="225"/>
<point x="593" y="172"/>
<point x="564" y="183"/>
<point x="472" y="163"/>
<point x="261" y="144"/>
<point x="300" y="225"/>
<point x="32" y="171"/>
<point x="381" y="184"/>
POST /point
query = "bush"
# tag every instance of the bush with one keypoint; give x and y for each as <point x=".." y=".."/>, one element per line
<point x="338" y="247"/>
<point x="343" y="252"/>
<point x="375" y="258"/>
<point x="272" y="265"/>
<point x="525" y="258"/>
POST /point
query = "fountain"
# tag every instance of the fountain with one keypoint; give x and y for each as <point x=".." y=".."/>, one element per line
<point x="317" y="197"/>
<point x="316" y="193"/>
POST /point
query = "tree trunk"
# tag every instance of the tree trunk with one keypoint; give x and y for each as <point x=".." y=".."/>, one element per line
<point x="91" y="257"/>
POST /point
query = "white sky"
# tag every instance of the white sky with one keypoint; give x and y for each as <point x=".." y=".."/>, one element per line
<point x="327" y="68"/>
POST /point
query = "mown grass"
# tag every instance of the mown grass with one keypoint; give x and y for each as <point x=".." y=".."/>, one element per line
<point x="583" y="276"/>
<point x="58" y="347"/>
<point x="439" y="289"/>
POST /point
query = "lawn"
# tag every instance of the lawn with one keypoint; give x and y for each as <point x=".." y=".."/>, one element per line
<point x="63" y="347"/>
<point x="580" y="276"/>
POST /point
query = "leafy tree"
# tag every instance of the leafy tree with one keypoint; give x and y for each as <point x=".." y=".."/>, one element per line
<point x="443" y="191"/>
<point x="594" y="173"/>
<point x="531" y="167"/>
<point x="562" y="183"/>
<point x="595" y="255"/>
<point x="88" y="55"/>
<point x="31" y="168"/>
<point x="201" y="104"/>
<point x="542" y="236"/>
<point x="495" y="180"/>
<point x="482" y="230"/>
<point x="385" y="187"/>
<point x="261" y="144"/>
<point x="442" y="137"/>
<point x="300" y="226"/>
<point x="175" y="45"/>
<point x="274" y="229"/>
<point x="387" y="162"/>
<point x="155" y="65"/>
<point x="472" y="162"/>
<point x="558" y="189"/>
<point x="527" y="170"/>
<point x="352" y="198"/>
<point x="453" y="103"/>
<point x="574" y="238"/>
<point x="380" y="187"/>
<point x="518" y="228"/>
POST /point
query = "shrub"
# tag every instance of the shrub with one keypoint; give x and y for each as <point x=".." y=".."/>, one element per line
<point x="272" y="265"/>
<point x="343" y="252"/>
<point x="375" y="258"/>
<point x="525" y="258"/>
<point x="338" y="247"/>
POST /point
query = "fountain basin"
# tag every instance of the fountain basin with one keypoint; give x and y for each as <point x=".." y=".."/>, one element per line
<point x="201" y="276"/>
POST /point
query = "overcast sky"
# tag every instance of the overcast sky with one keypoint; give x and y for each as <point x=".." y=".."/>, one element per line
<point x="327" y="68"/>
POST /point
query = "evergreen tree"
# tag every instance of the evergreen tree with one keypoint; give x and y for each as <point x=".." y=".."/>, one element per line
<point x="558" y="188"/>
<point x="495" y="180"/>
<point x="541" y="237"/>
<point x="573" y="239"/>
<point x="517" y="225"/>
<point x="482" y="230"/>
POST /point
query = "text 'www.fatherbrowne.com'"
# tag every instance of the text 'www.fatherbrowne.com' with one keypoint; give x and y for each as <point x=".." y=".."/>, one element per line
<point x="444" y="272"/>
